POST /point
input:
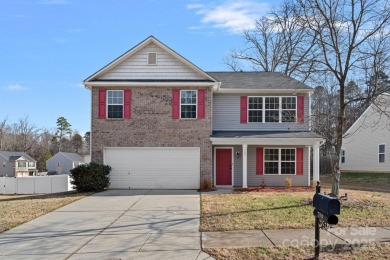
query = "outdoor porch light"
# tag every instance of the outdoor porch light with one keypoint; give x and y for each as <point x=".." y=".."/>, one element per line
<point x="237" y="154"/>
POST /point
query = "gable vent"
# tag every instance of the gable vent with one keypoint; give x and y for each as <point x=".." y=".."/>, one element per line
<point x="152" y="58"/>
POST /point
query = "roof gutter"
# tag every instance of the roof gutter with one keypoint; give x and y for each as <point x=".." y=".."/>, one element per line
<point x="89" y="85"/>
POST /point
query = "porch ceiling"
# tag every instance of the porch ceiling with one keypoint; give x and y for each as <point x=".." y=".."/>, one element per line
<point x="265" y="138"/>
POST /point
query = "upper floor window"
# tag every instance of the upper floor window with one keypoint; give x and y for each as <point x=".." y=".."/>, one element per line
<point x="188" y="103"/>
<point x="381" y="153"/>
<point x="255" y="109"/>
<point x="22" y="164"/>
<point x="114" y="103"/>
<point x="272" y="109"/>
<point x="31" y="164"/>
<point x="342" y="157"/>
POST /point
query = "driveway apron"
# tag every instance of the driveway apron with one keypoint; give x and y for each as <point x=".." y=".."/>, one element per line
<point x="115" y="224"/>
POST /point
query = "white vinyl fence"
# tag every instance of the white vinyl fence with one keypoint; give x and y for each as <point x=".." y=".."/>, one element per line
<point x="35" y="184"/>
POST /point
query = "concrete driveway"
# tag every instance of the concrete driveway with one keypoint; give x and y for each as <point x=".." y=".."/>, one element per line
<point x="115" y="224"/>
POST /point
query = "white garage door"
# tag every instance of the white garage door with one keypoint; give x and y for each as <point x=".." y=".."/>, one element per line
<point x="153" y="167"/>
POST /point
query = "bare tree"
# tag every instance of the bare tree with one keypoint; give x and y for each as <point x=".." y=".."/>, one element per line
<point x="25" y="135"/>
<point x="343" y="29"/>
<point x="3" y="129"/>
<point x="280" y="43"/>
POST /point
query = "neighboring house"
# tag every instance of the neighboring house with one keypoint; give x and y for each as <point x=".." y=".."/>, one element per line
<point x="17" y="164"/>
<point x="366" y="144"/>
<point x="161" y="122"/>
<point x="62" y="163"/>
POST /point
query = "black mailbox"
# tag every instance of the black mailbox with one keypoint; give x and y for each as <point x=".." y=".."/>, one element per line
<point x="326" y="208"/>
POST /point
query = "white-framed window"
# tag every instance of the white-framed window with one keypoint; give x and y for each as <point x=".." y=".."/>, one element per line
<point x="22" y="164"/>
<point x="342" y="156"/>
<point x="114" y="103"/>
<point x="279" y="161"/>
<point x="271" y="106"/>
<point x="188" y="103"/>
<point x="289" y="109"/>
<point x="31" y="164"/>
<point x="272" y="109"/>
<point x="255" y="109"/>
<point x="381" y="153"/>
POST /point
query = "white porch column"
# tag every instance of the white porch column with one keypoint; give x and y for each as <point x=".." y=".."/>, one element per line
<point x="308" y="164"/>
<point x="244" y="166"/>
<point x="316" y="162"/>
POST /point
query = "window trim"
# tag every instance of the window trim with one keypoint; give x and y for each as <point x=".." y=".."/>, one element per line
<point x="384" y="153"/>
<point x="280" y="161"/>
<point x="196" y="104"/>
<point x="280" y="109"/>
<point x="123" y="103"/>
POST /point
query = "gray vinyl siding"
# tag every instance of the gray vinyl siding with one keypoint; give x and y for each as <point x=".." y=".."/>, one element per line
<point x="254" y="180"/>
<point x="361" y="143"/>
<point x="226" y="115"/>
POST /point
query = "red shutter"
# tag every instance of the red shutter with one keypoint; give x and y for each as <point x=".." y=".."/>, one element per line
<point x="175" y="103"/>
<point x="127" y="103"/>
<point x="300" y="109"/>
<point x="299" y="161"/>
<point x="259" y="161"/>
<point x="102" y="104"/>
<point x="244" y="110"/>
<point x="201" y="103"/>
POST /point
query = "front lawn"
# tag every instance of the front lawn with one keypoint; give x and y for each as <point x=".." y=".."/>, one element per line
<point x="18" y="209"/>
<point x="280" y="210"/>
<point x="360" y="181"/>
<point x="371" y="251"/>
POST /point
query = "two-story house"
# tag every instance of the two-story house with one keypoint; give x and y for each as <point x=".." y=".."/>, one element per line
<point x="161" y="122"/>
<point x="62" y="163"/>
<point x="364" y="143"/>
<point x="17" y="164"/>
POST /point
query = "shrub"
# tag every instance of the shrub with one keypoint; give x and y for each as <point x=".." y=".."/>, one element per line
<point x="288" y="182"/>
<point x="90" y="177"/>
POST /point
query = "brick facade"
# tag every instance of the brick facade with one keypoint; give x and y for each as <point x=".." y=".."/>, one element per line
<point x="151" y="125"/>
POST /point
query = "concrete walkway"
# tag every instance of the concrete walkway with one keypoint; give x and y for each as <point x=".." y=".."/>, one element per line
<point x="115" y="224"/>
<point x="295" y="237"/>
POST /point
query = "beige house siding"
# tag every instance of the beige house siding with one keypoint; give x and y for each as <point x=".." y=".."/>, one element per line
<point x="151" y="125"/>
<point x="136" y="67"/>
<point x="361" y="143"/>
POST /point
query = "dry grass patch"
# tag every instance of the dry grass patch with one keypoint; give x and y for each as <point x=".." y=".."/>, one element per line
<point x="281" y="210"/>
<point x="18" y="209"/>
<point x="360" y="181"/>
<point x="371" y="251"/>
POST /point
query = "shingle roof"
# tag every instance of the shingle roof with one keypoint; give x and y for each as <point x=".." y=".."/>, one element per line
<point x="12" y="156"/>
<point x="73" y="157"/>
<point x="257" y="80"/>
<point x="264" y="134"/>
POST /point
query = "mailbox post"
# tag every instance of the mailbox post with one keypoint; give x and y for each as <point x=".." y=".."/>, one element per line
<point x="325" y="210"/>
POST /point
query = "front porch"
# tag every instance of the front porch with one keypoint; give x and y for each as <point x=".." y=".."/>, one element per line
<point x="243" y="159"/>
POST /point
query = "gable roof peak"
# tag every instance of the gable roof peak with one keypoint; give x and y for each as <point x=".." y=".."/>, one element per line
<point x="136" y="48"/>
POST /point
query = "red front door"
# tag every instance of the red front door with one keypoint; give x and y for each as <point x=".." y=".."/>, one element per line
<point x="223" y="167"/>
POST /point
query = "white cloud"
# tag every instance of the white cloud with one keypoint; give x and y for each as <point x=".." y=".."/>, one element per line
<point x="54" y="2"/>
<point x="234" y="16"/>
<point x="15" y="87"/>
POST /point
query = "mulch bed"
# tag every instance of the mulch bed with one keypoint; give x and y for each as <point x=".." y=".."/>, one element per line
<point x="274" y="189"/>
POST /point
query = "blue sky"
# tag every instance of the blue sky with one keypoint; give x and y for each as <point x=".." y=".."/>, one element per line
<point x="48" y="47"/>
